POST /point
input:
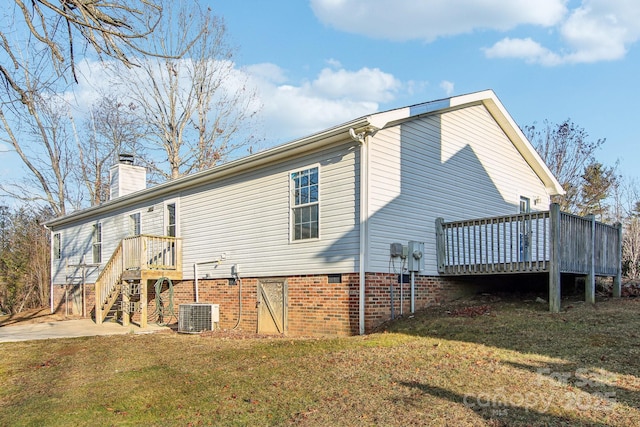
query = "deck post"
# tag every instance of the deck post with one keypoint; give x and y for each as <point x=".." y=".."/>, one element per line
<point x="590" y="282"/>
<point x="126" y="303"/>
<point x="144" y="285"/>
<point x="440" y="245"/>
<point x="554" y="258"/>
<point x="617" y="279"/>
<point x="99" y="301"/>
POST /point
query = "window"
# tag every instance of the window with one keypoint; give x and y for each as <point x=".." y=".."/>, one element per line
<point x="97" y="243"/>
<point x="306" y="204"/>
<point x="57" y="251"/>
<point x="525" y="205"/>
<point x="134" y="224"/>
<point x="171" y="219"/>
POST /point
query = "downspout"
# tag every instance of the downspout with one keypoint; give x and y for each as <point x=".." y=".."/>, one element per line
<point x="50" y="268"/>
<point x="362" y="138"/>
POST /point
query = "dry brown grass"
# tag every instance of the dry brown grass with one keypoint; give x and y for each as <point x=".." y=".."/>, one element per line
<point x="483" y="362"/>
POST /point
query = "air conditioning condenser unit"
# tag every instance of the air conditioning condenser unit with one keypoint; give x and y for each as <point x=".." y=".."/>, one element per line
<point x="195" y="318"/>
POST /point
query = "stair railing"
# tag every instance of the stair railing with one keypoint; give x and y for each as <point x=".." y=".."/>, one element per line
<point x="107" y="281"/>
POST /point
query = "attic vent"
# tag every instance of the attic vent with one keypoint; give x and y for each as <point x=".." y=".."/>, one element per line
<point x="195" y="318"/>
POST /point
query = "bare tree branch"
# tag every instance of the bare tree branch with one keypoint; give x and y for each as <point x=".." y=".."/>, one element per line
<point x="199" y="106"/>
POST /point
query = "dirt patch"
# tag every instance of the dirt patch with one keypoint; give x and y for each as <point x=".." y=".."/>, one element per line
<point x="33" y="316"/>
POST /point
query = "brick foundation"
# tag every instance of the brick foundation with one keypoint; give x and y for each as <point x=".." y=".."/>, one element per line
<point x="315" y="306"/>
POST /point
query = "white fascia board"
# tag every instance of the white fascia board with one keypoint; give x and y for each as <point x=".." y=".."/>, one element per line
<point x="522" y="144"/>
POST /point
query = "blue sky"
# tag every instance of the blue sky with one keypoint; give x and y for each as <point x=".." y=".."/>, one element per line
<point x="319" y="63"/>
<point x="323" y="62"/>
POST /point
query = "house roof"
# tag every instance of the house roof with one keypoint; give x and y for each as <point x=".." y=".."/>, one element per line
<point x="373" y="122"/>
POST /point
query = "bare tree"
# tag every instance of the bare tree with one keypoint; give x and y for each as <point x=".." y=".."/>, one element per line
<point x="38" y="131"/>
<point x="57" y="30"/>
<point x="568" y="151"/>
<point x="25" y="256"/>
<point x="198" y="108"/>
<point x="110" y="128"/>
<point x="627" y="211"/>
<point x="40" y="41"/>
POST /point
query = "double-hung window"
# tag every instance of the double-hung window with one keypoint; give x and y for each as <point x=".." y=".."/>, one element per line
<point x="305" y="204"/>
<point x="57" y="248"/>
<point x="134" y="224"/>
<point x="97" y="243"/>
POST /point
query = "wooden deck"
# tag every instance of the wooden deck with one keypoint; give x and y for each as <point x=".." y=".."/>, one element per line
<point x="550" y="242"/>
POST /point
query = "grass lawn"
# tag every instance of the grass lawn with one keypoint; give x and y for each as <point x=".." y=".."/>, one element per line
<point x="481" y="362"/>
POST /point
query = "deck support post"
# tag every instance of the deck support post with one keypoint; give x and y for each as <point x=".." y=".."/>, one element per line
<point x="440" y="244"/>
<point x="126" y="300"/>
<point x="144" y="285"/>
<point x="617" y="279"/>
<point x="554" y="259"/>
<point x="590" y="281"/>
<point x="99" y="301"/>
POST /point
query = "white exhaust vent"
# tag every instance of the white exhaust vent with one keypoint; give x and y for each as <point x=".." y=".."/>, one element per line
<point x="195" y="318"/>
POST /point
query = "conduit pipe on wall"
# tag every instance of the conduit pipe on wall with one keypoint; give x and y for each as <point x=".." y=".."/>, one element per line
<point x="195" y="275"/>
<point x="413" y="292"/>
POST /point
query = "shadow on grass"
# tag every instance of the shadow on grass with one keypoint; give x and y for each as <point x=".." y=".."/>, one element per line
<point x="600" y="336"/>
<point x="505" y="410"/>
<point x="12" y="319"/>
<point x="595" y="382"/>
<point x="593" y="345"/>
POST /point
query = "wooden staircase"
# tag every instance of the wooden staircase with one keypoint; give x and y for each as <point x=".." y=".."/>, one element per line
<point x="136" y="259"/>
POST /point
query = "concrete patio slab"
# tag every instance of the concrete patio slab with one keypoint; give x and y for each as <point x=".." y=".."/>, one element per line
<point x="70" y="329"/>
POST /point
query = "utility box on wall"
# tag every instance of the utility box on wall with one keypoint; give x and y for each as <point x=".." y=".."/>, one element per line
<point x="415" y="257"/>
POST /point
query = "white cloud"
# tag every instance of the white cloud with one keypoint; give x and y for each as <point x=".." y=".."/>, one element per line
<point x="334" y="63"/>
<point x="598" y="30"/>
<point x="333" y="97"/>
<point x="590" y="31"/>
<point x="428" y="20"/>
<point x="526" y="49"/>
<point x="447" y="86"/>
<point x="289" y="109"/>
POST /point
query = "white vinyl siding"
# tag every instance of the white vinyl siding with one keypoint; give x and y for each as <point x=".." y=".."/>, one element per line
<point x="455" y="165"/>
<point x="77" y="238"/>
<point x="243" y="219"/>
<point x="247" y="219"/>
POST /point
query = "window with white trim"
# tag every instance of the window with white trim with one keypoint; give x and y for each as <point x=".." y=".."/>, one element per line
<point x="97" y="243"/>
<point x="57" y="248"/>
<point x="305" y="211"/>
<point x="134" y="224"/>
<point x="171" y="219"/>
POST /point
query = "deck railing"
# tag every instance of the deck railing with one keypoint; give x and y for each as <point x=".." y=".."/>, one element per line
<point x="504" y="244"/>
<point x="147" y="252"/>
<point x="107" y="281"/>
<point x="522" y="243"/>
<point x="142" y="252"/>
<point x="550" y="241"/>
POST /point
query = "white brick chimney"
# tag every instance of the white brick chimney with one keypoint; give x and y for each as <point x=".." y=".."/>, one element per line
<point x="126" y="178"/>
